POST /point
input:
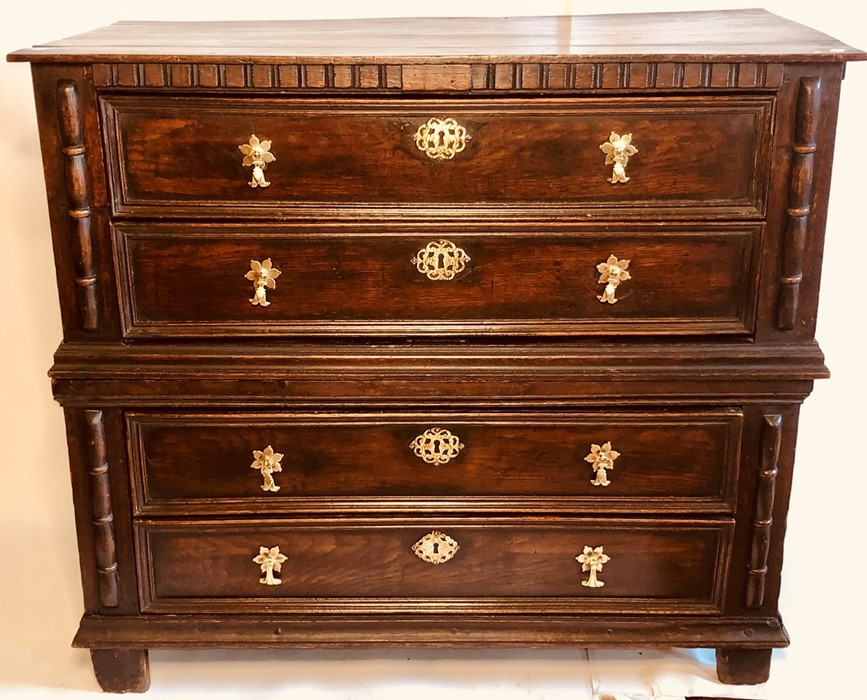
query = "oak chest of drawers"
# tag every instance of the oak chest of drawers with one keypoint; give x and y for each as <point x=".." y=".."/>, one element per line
<point x="496" y="342"/>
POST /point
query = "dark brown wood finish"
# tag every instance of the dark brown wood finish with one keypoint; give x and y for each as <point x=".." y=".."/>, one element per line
<point x="78" y="192"/>
<point x="590" y="374"/>
<point x="521" y="566"/>
<point x="121" y="670"/>
<point x="183" y="153"/>
<point x="763" y="518"/>
<point x="670" y="461"/>
<point x="170" y="377"/>
<point x="184" y="280"/>
<point x="429" y="630"/>
<point x="77" y="196"/>
<point x="800" y="196"/>
<point x="743" y="666"/>
<point x="102" y="516"/>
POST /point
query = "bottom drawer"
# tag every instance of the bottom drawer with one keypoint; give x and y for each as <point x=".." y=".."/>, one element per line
<point x="496" y="565"/>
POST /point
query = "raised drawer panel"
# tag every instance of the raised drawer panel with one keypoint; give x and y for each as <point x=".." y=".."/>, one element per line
<point x="190" y="281"/>
<point x="203" y="463"/>
<point x="369" y="565"/>
<point x="696" y="156"/>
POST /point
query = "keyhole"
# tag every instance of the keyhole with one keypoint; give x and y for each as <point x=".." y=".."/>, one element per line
<point x="441" y="260"/>
<point x="436" y="548"/>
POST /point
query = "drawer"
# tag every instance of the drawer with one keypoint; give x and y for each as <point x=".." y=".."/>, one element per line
<point x="204" y="463"/>
<point x="201" y="280"/>
<point x="695" y="155"/>
<point x="520" y="566"/>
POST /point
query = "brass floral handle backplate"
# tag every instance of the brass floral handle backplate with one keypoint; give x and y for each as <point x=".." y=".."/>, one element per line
<point x="618" y="150"/>
<point x="257" y="154"/>
<point x="611" y="273"/>
<point x="269" y="561"/>
<point x="267" y="462"/>
<point x="602" y="458"/>
<point x="592" y="559"/>
<point x="262" y="275"/>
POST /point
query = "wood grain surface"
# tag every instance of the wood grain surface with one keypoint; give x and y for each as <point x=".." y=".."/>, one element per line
<point x="669" y="461"/>
<point x="368" y="566"/>
<point x="188" y="281"/>
<point x="732" y="33"/>
<point x="181" y="154"/>
<point x="170" y="378"/>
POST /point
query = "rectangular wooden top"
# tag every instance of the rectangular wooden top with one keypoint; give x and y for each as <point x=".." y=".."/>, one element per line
<point x="684" y="36"/>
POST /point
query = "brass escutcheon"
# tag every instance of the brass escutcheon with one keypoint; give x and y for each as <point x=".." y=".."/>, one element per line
<point x="440" y="260"/>
<point x="436" y="446"/>
<point x="435" y="547"/>
<point x="441" y="138"/>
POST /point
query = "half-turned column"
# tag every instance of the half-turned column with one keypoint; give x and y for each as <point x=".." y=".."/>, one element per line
<point x="102" y="517"/>
<point x="799" y="204"/>
<point x="78" y="194"/>
<point x="764" y="508"/>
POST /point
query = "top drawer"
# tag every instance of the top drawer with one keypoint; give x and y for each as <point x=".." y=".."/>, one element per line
<point x="695" y="156"/>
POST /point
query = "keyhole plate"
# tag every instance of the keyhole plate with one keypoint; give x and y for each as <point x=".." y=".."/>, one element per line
<point x="440" y="260"/>
<point x="435" y="547"/>
<point x="436" y="446"/>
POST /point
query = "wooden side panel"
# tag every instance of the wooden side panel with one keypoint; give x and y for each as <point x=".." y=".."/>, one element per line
<point x="805" y="122"/>
<point x="800" y="200"/>
<point x="72" y="158"/>
<point x="101" y="491"/>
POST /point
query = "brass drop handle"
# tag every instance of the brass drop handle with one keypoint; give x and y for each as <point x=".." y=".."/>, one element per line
<point x="611" y="273"/>
<point x="269" y="561"/>
<point x="618" y="150"/>
<point x="262" y="275"/>
<point x="440" y="260"/>
<point x="592" y="559"/>
<point x="602" y="458"/>
<point x="436" y="446"/>
<point x="257" y="154"/>
<point x="435" y="547"/>
<point x="441" y="138"/>
<point x="267" y="462"/>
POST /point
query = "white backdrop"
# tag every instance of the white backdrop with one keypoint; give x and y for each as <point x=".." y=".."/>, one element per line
<point x="39" y="587"/>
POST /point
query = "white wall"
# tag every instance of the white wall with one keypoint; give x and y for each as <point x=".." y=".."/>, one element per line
<point x="823" y="550"/>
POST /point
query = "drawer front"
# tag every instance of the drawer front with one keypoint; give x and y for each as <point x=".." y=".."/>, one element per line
<point x="604" y="462"/>
<point x="198" y="280"/>
<point x="370" y="565"/>
<point x="695" y="156"/>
